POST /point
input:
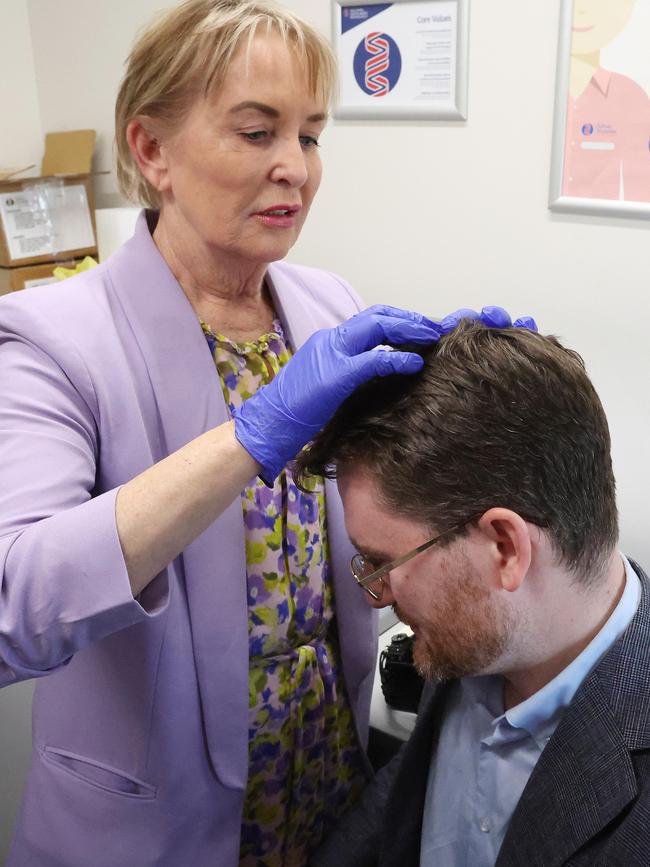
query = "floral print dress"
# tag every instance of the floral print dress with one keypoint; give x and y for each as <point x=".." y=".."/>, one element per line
<point x="305" y="765"/>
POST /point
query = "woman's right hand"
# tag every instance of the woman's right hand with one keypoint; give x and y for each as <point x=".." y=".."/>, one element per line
<point x="278" y="420"/>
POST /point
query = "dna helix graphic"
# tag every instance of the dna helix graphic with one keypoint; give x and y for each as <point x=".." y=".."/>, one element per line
<point x="378" y="62"/>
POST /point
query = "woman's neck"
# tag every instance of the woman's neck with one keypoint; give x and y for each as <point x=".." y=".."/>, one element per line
<point x="583" y="68"/>
<point x="230" y="297"/>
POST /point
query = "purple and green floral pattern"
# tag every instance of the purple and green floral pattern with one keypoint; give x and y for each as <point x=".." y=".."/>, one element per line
<point x="305" y="766"/>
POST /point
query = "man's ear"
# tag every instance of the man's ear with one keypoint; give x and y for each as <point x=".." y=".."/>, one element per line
<point x="510" y="549"/>
<point x="143" y="137"/>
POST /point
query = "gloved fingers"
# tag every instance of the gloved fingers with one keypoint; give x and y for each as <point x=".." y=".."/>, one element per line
<point x="495" y="317"/>
<point x="399" y="331"/>
<point x="491" y="317"/>
<point x="525" y="322"/>
<point x="398" y="312"/>
<point x="370" y="329"/>
<point x="382" y="362"/>
<point x="453" y="319"/>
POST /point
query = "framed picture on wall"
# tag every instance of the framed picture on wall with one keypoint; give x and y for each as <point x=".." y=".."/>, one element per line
<point x="601" y="138"/>
<point x="404" y="60"/>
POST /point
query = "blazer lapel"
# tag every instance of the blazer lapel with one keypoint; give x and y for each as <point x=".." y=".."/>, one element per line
<point x="353" y="614"/>
<point x="583" y="780"/>
<point x="291" y="302"/>
<point x="189" y="401"/>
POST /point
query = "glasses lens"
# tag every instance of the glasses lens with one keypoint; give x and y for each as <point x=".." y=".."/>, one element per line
<point x="362" y="569"/>
<point x="375" y="588"/>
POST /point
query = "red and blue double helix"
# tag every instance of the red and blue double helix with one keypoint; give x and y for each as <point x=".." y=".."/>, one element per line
<point x="377" y="63"/>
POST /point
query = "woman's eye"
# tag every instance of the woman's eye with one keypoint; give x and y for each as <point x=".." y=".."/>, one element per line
<point x="309" y="141"/>
<point x="256" y="135"/>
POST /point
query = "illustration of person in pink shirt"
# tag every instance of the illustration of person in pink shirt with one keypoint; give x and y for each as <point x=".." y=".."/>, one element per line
<point x="607" y="145"/>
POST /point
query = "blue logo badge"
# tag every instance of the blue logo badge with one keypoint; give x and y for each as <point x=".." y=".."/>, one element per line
<point x="587" y="129"/>
<point x="377" y="64"/>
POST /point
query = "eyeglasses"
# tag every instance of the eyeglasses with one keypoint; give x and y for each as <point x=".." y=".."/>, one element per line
<point x="372" y="580"/>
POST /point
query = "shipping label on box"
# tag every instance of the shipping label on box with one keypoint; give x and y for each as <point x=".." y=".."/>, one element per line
<point x="41" y="281"/>
<point x="44" y="219"/>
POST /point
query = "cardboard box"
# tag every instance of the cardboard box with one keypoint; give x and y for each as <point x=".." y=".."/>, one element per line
<point x="14" y="279"/>
<point x="6" y="173"/>
<point x="51" y="217"/>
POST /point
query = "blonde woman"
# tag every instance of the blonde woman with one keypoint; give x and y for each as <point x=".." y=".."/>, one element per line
<point x="206" y="659"/>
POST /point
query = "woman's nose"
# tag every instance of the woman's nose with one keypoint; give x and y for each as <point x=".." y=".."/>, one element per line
<point x="291" y="166"/>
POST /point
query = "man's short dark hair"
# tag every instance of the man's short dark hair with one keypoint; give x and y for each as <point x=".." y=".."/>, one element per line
<point x="497" y="417"/>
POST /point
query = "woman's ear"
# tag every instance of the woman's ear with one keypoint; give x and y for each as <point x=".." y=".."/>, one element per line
<point x="143" y="137"/>
<point x="510" y="547"/>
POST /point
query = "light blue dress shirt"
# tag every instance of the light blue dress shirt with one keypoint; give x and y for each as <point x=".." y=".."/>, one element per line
<point x="485" y="756"/>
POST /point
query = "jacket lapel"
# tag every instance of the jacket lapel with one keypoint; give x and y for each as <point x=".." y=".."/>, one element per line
<point x="353" y="615"/>
<point x="354" y="618"/>
<point x="189" y="401"/>
<point x="585" y="777"/>
<point x="582" y="781"/>
<point x="289" y="296"/>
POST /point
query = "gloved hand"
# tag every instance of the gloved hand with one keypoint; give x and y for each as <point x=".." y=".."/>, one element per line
<point x="491" y="317"/>
<point x="279" y="419"/>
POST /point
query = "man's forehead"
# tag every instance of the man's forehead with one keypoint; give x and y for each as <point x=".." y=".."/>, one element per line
<point x="359" y="492"/>
<point x="355" y="479"/>
<point x="372" y="526"/>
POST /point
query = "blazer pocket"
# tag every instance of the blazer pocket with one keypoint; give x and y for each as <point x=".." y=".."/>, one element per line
<point x="98" y="774"/>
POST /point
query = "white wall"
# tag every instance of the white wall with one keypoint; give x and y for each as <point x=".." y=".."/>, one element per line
<point x="429" y="215"/>
<point x="21" y="137"/>
<point x="79" y="50"/>
<point x="436" y="216"/>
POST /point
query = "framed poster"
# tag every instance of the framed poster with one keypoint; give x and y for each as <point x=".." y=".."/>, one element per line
<point x="404" y="60"/>
<point x="601" y="138"/>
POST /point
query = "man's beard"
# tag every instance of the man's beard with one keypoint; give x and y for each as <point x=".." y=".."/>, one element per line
<point x="466" y="633"/>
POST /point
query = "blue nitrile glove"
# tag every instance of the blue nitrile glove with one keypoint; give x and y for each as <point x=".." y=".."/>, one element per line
<point x="279" y="419"/>
<point x="491" y="317"/>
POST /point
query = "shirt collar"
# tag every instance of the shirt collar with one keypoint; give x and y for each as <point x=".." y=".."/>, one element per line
<point x="540" y="714"/>
<point x="601" y="79"/>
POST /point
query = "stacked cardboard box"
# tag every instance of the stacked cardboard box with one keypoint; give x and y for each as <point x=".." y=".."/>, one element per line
<point x="49" y="220"/>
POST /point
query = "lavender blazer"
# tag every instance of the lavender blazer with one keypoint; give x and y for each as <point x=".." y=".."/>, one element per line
<point x="141" y="725"/>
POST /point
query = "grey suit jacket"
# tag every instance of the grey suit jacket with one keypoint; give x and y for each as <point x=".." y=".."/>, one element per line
<point x="586" y="804"/>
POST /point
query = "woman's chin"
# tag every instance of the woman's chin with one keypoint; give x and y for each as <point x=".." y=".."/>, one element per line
<point x="269" y="250"/>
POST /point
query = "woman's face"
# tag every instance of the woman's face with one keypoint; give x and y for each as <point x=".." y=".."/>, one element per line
<point x="596" y="23"/>
<point x="243" y="168"/>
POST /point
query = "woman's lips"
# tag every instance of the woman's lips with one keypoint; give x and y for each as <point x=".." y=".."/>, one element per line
<point x="279" y="216"/>
<point x="583" y="29"/>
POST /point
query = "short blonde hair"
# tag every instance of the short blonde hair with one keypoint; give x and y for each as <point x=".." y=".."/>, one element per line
<point x="185" y="54"/>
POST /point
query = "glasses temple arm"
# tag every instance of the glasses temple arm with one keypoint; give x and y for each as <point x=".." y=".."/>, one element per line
<point x="384" y="570"/>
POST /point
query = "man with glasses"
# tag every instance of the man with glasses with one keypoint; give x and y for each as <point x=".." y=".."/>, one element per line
<point x="481" y="499"/>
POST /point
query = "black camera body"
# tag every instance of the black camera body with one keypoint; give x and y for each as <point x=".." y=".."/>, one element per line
<point x="400" y="681"/>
